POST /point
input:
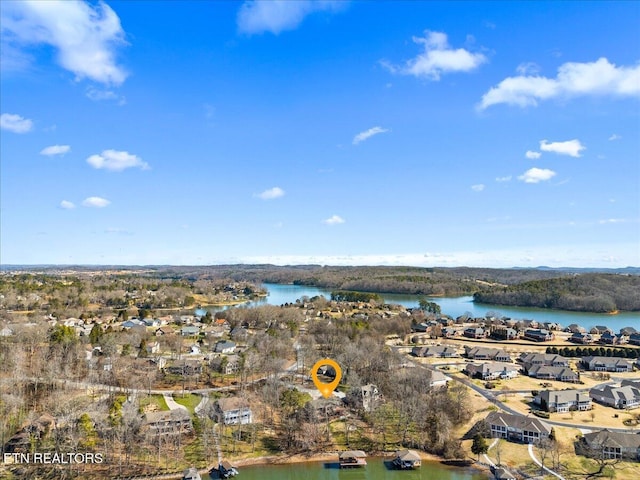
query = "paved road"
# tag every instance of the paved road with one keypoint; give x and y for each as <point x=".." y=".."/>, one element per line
<point x="537" y="462"/>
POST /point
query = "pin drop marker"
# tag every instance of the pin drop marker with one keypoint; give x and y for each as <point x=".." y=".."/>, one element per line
<point x="326" y="389"/>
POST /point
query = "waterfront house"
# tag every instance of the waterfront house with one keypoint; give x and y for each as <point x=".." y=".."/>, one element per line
<point x="407" y="460"/>
<point x="538" y="335"/>
<point x="606" y="444"/>
<point x="169" y="421"/>
<point x="608" y="338"/>
<point x="628" y="331"/>
<point x="491" y="370"/>
<point x="583" y="338"/>
<point x="634" y="339"/>
<point x="600" y="329"/>
<point x="623" y="397"/>
<point x="232" y="411"/>
<point x="575" y="328"/>
<point x="504" y="333"/>
<point x="474" y="332"/>
<point x="352" y="458"/>
<point x="517" y="427"/>
<point x="563" y="400"/>
<point x="548" y="372"/>
<point x="606" y="364"/>
<point x="191" y="474"/>
<point x="484" y="353"/>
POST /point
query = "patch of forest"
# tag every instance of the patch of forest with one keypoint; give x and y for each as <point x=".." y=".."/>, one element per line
<point x="589" y="292"/>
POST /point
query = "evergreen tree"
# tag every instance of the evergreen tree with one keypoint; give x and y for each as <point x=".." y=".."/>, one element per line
<point x="479" y="445"/>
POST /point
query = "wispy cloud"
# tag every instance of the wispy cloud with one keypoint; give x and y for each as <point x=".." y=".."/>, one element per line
<point x="532" y="155"/>
<point x="116" y="161"/>
<point x="438" y="58"/>
<point x="362" y="136"/>
<point x="276" y="16"/>
<point x="271" y="193"/>
<point x="85" y="35"/>
<point x="55" y="150"/>
<point x="334" y="220"/>
<point x="506" y="178"/>
<point x="574" y="79"/>
<point x="477" y="188"/>
<point x="536" y="175"/>
<point x="528" y="68"/>
<point x="100" y="94"/>
<point x="569" y="147"/>
<point x="15" y="123"/>
<point x="67" y="205"/>
<point x="615" y="136"/>
<point x="95" y="202"/>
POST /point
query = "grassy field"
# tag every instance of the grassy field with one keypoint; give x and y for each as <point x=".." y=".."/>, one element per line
<point x="189" y="400"/>
<point x="152" y="403"/>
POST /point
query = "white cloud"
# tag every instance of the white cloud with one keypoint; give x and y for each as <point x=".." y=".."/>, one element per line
<point x="536" y="175"/>
<point x="612" y="221"/>
<point x="532" y="155"/>
<point x="84" y="35"/>
<point x="276" y="16"/>
<point x="573" y="79"/>
<point x="362" y="136"/>
<point x="334" y="220"/>
<point x="116" y="161"/>
<point x="528" y="68"/>
<point x="67" y="205"/>
<point x="271" y="193"/>
<point x="95" y="202"/>
<point x="477" y="188"/>
<point x="98" y="95"/>
<point x="438" y="58"/>
<point x="55" y="150"/>
<point x="569" y="147"/>
<point x="615" y="136"/>
<point x="15" y="123"/>
<point x="503" y="179"/>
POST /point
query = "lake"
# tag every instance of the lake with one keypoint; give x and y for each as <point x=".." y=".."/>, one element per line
<point x="376" y="469"/>
<point x="456" y="306"/>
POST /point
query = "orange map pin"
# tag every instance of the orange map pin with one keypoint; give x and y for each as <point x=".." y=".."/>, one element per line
<point x="326" y="389"/>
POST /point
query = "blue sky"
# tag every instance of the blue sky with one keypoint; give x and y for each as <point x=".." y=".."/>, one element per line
<point x="433" y="134"/>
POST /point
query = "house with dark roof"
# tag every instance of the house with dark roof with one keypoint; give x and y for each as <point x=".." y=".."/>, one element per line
<point x="606" y="444"/>
<point x="623" y="397"/>
<point x="443" y="351"/>
<point x="563" y="400"/>
<point x="504" y="333"/>
<point x="634" y="339"/>
<point x="538" y="335"/>
<point x="474" y="332"/>
<point x="582" y="338"/>
<point x="551" y="359"/>
<point x="517" y="427"/>
<point x="169" y="421"/>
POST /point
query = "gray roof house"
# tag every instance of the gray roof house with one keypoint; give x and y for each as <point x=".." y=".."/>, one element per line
<point x="484" y="353"/>
<point x="607" y="364"/>
<point x="563" y="400"/>
<point x="538" y="335"/>
<point x="552" y="359"/>
<point x="547" y="372"/>
<point x="626" y="396"/>
<point x="517" y="428"/>
<point x="606" y="444"/>
<point x="491" y="370"/>
<point x="224" y="347"/>
<point x="435" y="351"/>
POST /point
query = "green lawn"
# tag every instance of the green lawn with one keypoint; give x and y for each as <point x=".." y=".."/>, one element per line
<point x="190" y="401"/>
<point x="157" y="400"/>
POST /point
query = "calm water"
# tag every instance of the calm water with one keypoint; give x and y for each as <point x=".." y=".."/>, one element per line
<point x="375" y="470"/>
<point x="456" y="306"/>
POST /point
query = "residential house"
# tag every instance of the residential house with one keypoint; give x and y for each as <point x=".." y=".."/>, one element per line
<point x="171" y="421"/>
<point x="224" y="347"/>
<point x="583" y="338"/>
<point x="438" y="379"/>
<point x="551" y="359"/>
<point x="435" y="351"/>
<point x="232" y="411"/>
<point x="600" y="329"/>
<point x="623" y="397"/>
<point x="606" y="364"/>
<point x="151" y="322"/>
<point x="575" y="328"/>
<point x="133" y="323"/>
<point x="484" y="353"/>
<point x="491" y="370"/>
<point x="628" y="331"/>
<point x="448" y="332"/>
<point x="190" y="331"/>
<point x="608" y="338"/>
<point x="474" y="332"/>
<point x="538" y="335"/>
<point x="563" y="400"/>
<point x="185" y="367"/>
<point x="634" y="382"/>
<point x="517" y="427"/>
<point x="153" y="347"/>
<point x="634" y="339"/>
<point x="232" y="365"/>
<point x="606" y="444"/>
<point x="504" y="333"/>
<point x="547" y="372"/>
